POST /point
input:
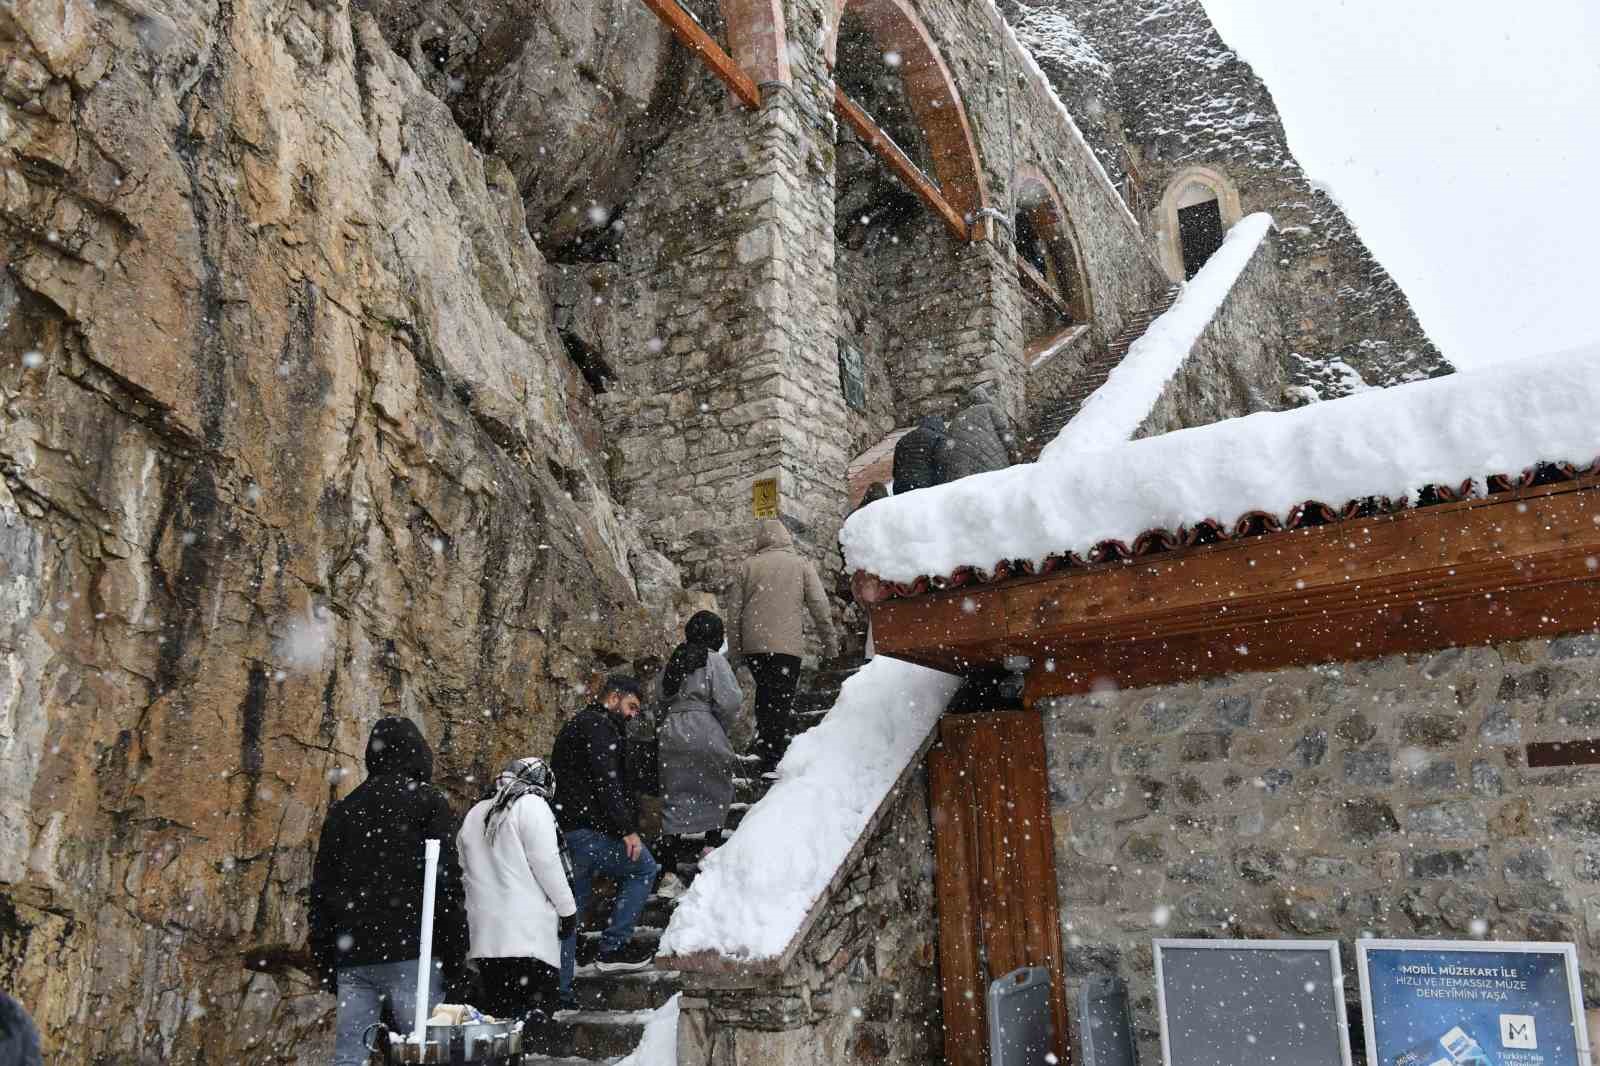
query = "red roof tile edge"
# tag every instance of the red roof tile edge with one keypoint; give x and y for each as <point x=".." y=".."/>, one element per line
<point x="870" y="589"/>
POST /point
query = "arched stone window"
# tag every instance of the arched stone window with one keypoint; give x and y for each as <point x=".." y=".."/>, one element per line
<point x="1049" y="264"/>
<point x="1199" y="208"/>
<point x="904" y="45"/>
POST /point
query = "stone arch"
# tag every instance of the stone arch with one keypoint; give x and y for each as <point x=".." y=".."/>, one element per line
<point x="1046" y="240"/>
<point x="931" y="89"/>
<point x="757" y="38"/>
<point x="1191" y="191"/>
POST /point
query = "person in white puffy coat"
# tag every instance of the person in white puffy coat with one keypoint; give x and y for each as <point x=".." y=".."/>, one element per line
<point x="520" y="904"/>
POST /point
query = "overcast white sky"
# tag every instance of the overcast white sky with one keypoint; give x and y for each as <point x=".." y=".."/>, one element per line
<point x="1462" y="138"/>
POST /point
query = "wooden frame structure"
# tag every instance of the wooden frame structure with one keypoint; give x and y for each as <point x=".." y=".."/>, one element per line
<point x="1511" y="566"/>
<point x="693" y="36"/>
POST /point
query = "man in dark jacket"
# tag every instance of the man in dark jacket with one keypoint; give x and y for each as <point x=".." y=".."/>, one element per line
<point x="981" y="438"/>
<point x="599" y="814"/>
<point x="918" y="456"/>
<point x="366" y="888"/>
<point x="19" y="1040"/>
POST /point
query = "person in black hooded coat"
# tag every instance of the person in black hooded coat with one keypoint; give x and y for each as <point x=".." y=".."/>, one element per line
<point x="919" y="456"/>
<point x="366" y="888"/>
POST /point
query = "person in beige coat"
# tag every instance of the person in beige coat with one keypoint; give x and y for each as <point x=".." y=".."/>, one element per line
<point x="766" y="630"/>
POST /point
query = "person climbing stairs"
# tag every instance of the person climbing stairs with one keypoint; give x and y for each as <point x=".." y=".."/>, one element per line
<point x="612" y="1008"/>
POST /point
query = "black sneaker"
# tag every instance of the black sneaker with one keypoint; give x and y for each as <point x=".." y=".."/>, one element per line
<point x="634" y="955"/>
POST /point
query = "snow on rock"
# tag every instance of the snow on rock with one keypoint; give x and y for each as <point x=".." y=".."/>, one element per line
<point x="753" y="893"/>
<point x="659" y="1045"/>
<point x="1385" y="442"/>
<point x="1114" y="412"/>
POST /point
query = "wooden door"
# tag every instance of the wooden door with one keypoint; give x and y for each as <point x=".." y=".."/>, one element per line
<point x="995" y="874"/>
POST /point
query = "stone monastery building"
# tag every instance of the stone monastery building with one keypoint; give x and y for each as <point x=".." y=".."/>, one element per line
<point x="389" y="357"/>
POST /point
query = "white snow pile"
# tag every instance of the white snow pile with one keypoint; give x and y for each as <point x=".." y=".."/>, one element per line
<point x="753" y="893"/>
<point x="1392" y="442"/>
<point x="659" y="1045"/>
<point x="1114" y="411"/>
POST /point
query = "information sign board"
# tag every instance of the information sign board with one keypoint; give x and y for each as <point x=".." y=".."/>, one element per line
<point x="764" y="498"/>
<point x="1251" y="1003"/>
<point x="1460" y="1002"/>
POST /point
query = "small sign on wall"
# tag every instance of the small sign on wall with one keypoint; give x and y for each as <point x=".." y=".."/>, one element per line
<point x="764" y="498"/>
<point x="1471" y="1001"/>
<point x="852" y="376"/>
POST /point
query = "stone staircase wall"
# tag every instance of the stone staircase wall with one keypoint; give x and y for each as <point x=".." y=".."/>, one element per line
<point x="863" y="986"/>
<point x="1239" y="364"/>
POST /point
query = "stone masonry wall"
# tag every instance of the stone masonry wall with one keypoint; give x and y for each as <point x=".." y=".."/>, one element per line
<point x="1236" y="366"/>
<point x="1390" y="798"/>
<point x="864" y="989"/>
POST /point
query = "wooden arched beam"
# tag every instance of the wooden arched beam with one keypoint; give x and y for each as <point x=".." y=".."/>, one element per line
<point x="757" y="38"/>
<point x="935" y="100"/>
<point x="1052" y="222"/>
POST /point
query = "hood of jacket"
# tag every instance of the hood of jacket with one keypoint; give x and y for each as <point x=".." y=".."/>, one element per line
<point x="396" y="746"/>
<point x="771" y="533"/>
<point x="933" y="424"/>
<point x="976" y="395"/>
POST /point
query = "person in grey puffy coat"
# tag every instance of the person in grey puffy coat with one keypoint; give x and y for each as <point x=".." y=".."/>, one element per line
<point x="980" y="438"/>
<point x="700" y="701"/>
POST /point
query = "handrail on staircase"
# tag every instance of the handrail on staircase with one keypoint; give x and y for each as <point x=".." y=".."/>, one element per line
<point x="687" y="29"/>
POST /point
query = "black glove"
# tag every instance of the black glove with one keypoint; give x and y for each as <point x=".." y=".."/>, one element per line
<point x="565" y="927"/>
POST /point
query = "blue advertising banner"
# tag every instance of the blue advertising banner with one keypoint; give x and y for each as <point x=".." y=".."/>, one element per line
<point x="1471" y="1003"/>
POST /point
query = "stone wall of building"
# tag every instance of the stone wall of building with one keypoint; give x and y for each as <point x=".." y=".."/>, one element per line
<point x="1390" y="798"/>
<point x="1236" y="367"/>
<point x="864" y="988"/>
<point x="1178" y="97"/>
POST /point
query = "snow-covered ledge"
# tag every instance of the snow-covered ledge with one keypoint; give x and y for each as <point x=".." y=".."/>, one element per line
<point x="1115" y="411"/>
<point x="1390" y="443"/>
<point x="759" y="894"/>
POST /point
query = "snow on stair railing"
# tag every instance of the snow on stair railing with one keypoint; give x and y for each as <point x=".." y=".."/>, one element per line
<point x="756" y="896"/>
<point x="1114" y="411"/>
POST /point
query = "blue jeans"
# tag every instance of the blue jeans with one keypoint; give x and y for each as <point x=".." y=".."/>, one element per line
<point x="362" y="993"/>
<point x="596" y="853"/>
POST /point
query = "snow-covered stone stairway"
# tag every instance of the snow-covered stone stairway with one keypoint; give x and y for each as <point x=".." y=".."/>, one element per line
<point x="1095" y="372"/>
<point x="613" y="1008"/>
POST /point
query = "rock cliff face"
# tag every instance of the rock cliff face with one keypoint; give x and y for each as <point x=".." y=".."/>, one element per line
<point x="289" y="443"/>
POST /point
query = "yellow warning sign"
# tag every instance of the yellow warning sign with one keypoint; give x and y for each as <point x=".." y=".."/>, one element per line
<point x="764" y="498"/>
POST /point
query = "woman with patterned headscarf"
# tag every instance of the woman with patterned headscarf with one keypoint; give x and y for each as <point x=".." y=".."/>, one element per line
<point x="519" y="896"/>
<point x="701" y="699"/>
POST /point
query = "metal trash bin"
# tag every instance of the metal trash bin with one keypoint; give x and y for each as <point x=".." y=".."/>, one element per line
<point x="1105" y="1024"/>
<point x="1021" y="1031"/>
<point x="477" y="1044"/>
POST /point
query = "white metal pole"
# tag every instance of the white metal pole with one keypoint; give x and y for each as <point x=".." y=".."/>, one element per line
<point x="430" y="868"/>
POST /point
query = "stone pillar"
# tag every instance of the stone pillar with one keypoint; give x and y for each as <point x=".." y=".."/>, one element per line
<point x="728" y="306"/>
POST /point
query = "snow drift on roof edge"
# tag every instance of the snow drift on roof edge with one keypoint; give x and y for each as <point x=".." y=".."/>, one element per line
<point x="1387" y="442"/>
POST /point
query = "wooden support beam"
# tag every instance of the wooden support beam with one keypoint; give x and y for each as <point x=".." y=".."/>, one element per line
<point x="1031" y="278"/>
<point x="904" y="169"/>
<point x="694" y="37"/>
<point x="1512" y="566"/>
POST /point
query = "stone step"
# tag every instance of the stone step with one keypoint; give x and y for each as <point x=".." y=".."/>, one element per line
<point x="644" y="990"/>
<point x="599" y="1034"/>
<point x="642" y="934"/>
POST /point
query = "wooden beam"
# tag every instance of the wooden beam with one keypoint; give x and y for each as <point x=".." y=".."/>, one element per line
<point x="1031" y="278"/>
<point x="904" y="169"/>
<point x="1511" y="566"/>
<point x="694" y="37"/>
<point x="1563" y="753"/>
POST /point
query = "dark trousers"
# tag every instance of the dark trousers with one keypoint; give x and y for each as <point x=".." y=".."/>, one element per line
<point x="673" y="851"/>
<point x="777" y="677"/>
<point x="522" y="988"/>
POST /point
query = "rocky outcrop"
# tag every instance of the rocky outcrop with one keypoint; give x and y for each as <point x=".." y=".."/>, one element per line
<point x="570" y="93"/>
<point x="289" y="442"/>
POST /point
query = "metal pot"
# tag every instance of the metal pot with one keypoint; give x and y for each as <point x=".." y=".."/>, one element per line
<point x="477" y="1042"/>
